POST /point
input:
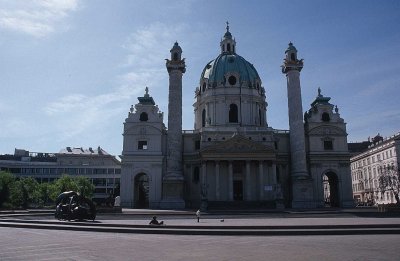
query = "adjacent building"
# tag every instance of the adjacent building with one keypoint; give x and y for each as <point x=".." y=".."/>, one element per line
<point x="367" y="165"/>
<point x="232" y="157"/>
<point x="103" y="169"/>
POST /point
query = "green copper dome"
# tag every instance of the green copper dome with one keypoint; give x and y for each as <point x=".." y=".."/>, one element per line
<point x="225" y="64"/>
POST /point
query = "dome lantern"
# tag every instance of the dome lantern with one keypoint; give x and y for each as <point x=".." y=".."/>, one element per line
<point x="228" y="43"/>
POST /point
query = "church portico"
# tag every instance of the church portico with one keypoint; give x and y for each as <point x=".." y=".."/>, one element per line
<point x="225" y="179"/>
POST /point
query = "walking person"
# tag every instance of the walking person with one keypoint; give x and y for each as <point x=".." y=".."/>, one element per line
<point x="198" y="215"/>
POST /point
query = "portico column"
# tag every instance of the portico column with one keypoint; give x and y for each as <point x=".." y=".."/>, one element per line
<point x="203" y="172"/>
<point x="261" y="178"/>
<point x="273" y="174"/>
<point x="217" y="180"/>
<point x="230" y="181"/>
<point x="248" y="189"/>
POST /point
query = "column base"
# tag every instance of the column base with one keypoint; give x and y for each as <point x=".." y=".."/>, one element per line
<point x="172" y="193"/>
<point x="303" y="194"/>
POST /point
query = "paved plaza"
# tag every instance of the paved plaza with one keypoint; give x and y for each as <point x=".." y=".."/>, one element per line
<point x="60" y="244"/>
<point x="32" y="244"/>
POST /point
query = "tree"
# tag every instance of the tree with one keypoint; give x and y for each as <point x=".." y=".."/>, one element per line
<point x="80" y="184"/>
<point x="85" y="187"/>
<point x="6" y="181"/>
<point x="44" y="190"/>
<point x="389" y="180"/>
<point x="24" y="192"/>
<point x="65" y="183"/>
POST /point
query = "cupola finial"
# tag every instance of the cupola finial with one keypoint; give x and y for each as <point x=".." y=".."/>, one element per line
<point x="227" y="26"/>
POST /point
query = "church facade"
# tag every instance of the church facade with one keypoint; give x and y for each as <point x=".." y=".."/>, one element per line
<point x="233" y="158"/>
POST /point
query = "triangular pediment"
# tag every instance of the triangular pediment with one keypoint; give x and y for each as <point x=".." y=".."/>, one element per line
<point x="236" y="145"/>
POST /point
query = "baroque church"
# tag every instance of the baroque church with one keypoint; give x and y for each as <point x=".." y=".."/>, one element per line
<point x="233" y="158"/>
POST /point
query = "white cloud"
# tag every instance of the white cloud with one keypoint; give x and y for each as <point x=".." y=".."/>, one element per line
<point x="36" y="18"/>
<point x="75" y="113"/>
<point x="147" y="45"/>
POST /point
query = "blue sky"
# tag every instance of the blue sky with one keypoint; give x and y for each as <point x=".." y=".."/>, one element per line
<point x="70" y="69"/>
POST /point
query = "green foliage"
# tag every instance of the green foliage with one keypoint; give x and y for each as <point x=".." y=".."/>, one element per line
<point x="44" y="191"/>
<point x="65" y="183"/>
<point x="80" y="184"/>
<point x="6" y="181"/>
<point x="85" y="187"/>
<point x="24" y="192"/>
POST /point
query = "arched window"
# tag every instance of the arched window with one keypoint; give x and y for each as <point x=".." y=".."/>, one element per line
<point x="144" y="117"/>
<point x="293" y="57"/>
<point x="325" y="117"/>
<point x="203" y="118"/>
<point x="233" y="113"/>
<point x="176" y="57"/>
<point x="228" y="47"/>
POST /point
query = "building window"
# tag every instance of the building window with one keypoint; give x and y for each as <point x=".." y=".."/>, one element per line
<point x="232" y="80"/>
<point x="196" y="175"/>
<point x="204" y="87"/>
<point x="142" y="145"/>
<point x="197" y="145"/>
<point x="325" y="117"/>
<point x="144" y="117"/>
<point x="293" y="57"/>
<point x="203" y="118"/>
<point x="328" y="145"/>
<point x="233" y="113"/>
<point x="176" y="56"/>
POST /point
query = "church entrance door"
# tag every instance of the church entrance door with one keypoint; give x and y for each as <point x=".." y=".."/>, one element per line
<point x="331" y="189"/>
<point x="238" y="190"/>
<point x="141" y="191"/>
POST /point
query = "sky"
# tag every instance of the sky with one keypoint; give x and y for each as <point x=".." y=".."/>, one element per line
<point x="71" y="69"/>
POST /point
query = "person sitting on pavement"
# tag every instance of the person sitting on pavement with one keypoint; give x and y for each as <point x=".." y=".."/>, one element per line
<point x="154" y="221"/>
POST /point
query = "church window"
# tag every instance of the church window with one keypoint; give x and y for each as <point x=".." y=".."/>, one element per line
<point x="209" y="139"/>
<point x="175" y="57"/>
<point x="196" y="175"/>
<point x="203" y="118"/>
<point x="233" y="113"/>
<point x="232" y="80"/>
<point x="197" y="145"/>
<point x="204" y="87"/>
<point x="228" y="47"/>
<point x="325" y="117"/>
<point x="276" y="145"/>
<point x="328" y="145"/>
<point x="293" y="57"/>
<point x="142" y="145"/>
<point x="144" y="117"/>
